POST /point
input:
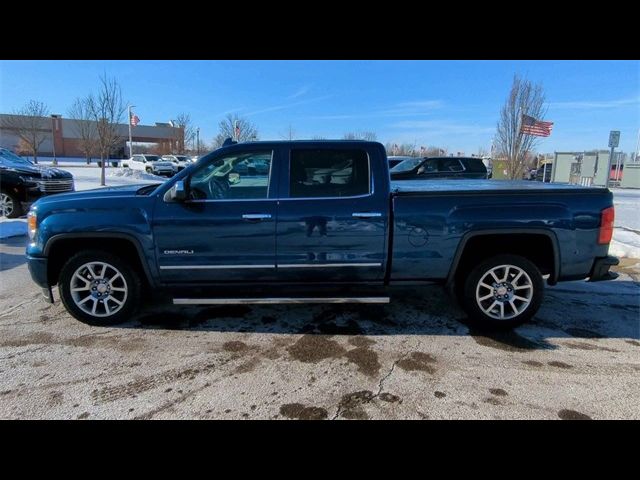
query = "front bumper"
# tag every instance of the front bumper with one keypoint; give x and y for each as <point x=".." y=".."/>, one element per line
<point x="38" y="270"/>
<point x="600" y="270"/>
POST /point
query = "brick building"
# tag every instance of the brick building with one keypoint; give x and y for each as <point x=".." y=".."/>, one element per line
<point x="63" y="133"/>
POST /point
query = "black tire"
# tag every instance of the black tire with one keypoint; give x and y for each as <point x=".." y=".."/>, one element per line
<point x="131" y="282"/>
<point x="149" y="170"/>
<point x="477" y="315"/>
<point x="17" y="208"/>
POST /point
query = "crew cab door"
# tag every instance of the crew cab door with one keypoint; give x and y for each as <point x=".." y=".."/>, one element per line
<point x="226" y="230"/>
<point x="332" y="215"/>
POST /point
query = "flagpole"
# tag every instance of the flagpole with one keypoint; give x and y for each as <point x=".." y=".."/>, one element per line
<point x="130" y="141"/>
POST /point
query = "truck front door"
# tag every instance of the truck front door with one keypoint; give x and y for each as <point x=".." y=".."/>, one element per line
<point x="226" y="230"/>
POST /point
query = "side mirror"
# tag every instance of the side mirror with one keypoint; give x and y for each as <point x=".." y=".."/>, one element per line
<point x="178" y="192"/>
<point x="234" y="178"/>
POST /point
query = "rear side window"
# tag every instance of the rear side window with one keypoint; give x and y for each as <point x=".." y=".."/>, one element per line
<point x="474" y="165"/>
<point x="328" y="173"/>
<point x="450" y="165"/>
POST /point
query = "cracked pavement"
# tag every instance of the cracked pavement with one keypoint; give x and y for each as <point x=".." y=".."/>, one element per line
<point x="412" y="359"/>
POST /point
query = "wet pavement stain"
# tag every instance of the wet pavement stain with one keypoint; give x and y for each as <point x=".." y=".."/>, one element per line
<point x="572" y="415"/>
<point x="234" y="346"/>
<point x="389" y="397"/>
<point x="587" y="346"/>
<point x="499" y="392"/>
<point x="83" y="415"/>
<point x="533" y="363"/>
<point x="418" y="361"/>
<point x="583" y="333"/>
<point x="365" y="359"/>
<point x="299" y="411"/>
<point x="508" y="341"/>
<point x="439" y="394"/>
<point x="361" y="341"/>
<point x="314" y="348"/>
<point x="350" y="328"/>
<point x="248" y="366"/>
<point x="560" y="364"/>
<point x="356" y="413"/>
<point x="493" y="401"/>
<point x="633" y="342"/>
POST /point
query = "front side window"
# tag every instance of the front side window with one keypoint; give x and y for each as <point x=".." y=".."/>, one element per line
<point x="329" y="173"/>
<point x="233" y="177"/>
<point x="407" y="165"/>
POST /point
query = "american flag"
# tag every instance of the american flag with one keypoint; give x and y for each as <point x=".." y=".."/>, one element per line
<point x="531" y="126"/>
<point x="135" y="120"/>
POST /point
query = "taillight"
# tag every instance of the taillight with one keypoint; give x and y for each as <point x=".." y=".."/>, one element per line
<point x="606" y="225"/>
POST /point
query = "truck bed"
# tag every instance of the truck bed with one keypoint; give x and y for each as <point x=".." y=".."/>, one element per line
<point x="408" y="187"/>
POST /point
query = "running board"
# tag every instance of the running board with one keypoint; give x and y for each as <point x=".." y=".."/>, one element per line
<point x="271" y="301"/>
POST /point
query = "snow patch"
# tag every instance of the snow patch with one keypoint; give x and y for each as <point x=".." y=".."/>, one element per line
<point x="13" y="228"/>
<point x="135" y="174"/>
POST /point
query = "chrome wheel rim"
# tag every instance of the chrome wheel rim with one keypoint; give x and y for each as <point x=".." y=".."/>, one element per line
<point x="6" y="205"/>
<point x="504" y="292"/>
<point x="99" y="289"/>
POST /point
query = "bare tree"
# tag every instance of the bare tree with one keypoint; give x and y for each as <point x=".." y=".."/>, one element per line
<point x="403" y="149"/>
<point x="27" y="123"/>
<point x="226" y="129"/>
<point x="318" y="137"/>
<point x="525" y="98"/>
<point x="370" y="136"/>
<point x="186" y="133"/>
<point x="107" y="111"/>
<point x="482" y="152"/>
<point x="84" y="126"/>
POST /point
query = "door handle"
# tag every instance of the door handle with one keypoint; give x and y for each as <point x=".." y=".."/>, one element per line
<point x="256" y="216"/>
<point x="366" y="214"/>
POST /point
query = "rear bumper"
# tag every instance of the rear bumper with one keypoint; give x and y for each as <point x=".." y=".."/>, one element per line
<point x="600" y="270"/>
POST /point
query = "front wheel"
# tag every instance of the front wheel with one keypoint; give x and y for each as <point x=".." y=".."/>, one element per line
<point x="99" y="288"/>
<point x="9" y="206"/>
<point x="503" y="292"/>
<point x="149" y="170"/>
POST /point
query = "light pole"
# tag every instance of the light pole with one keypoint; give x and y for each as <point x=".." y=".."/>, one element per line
<point x="198" y="141"/>
<point x="53" y="137"/>
<point x="130" y="141"/>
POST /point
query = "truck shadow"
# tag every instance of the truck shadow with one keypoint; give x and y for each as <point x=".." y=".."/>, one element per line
<point x="419" y="311"/>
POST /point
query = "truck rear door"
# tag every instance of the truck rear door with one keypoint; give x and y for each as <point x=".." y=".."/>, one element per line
<point x="332" y="214"/>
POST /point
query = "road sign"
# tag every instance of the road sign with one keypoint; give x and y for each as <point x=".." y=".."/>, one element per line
<point x="614" y="138"/>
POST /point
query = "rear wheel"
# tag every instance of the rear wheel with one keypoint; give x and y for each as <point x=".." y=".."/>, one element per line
<point x="149" y="170"/>
<point x="9" y="206"/>
<point x="503" y="292"/>
<point x="99" y="288"/>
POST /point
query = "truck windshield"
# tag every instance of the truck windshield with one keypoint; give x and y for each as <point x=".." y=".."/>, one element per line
<point x="407" y="165"/>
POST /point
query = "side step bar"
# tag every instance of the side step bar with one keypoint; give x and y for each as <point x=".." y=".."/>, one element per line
<point x="271" y="301"/>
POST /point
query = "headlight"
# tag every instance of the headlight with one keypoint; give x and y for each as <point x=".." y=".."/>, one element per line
<point x="32" y="224"/>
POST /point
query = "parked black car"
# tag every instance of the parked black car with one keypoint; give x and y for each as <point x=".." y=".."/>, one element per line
<point x="432" y="168"/>
<point x="22" y="183"/>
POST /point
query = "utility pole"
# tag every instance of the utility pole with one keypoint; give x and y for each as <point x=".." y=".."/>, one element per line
<point x="130" y="141"/>
<point x="53" y="138"/>
<point x="198" y="141"/>
<point x="614" y="141"/>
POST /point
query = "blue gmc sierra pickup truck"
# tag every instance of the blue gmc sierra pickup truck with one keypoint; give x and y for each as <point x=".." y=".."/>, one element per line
<point x="315" y="222"/>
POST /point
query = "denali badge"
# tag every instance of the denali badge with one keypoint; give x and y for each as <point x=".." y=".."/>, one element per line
<point x="178" y="252"/>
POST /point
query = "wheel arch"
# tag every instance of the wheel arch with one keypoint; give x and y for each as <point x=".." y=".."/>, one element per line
<point x="60" y="247"/>
<point x="471" y="238"/>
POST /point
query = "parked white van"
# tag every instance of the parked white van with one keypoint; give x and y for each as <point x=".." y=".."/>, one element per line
<point x="151" y="164"/>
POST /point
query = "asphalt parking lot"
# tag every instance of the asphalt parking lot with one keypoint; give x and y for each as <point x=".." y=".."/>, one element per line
<point x="412" y="359"/>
